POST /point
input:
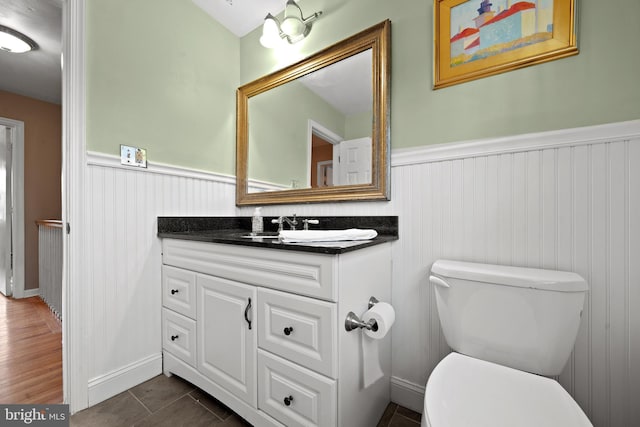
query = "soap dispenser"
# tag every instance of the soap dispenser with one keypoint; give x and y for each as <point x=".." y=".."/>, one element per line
<point x="257" y="225"/>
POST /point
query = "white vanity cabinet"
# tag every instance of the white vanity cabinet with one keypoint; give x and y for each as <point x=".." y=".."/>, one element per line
<point x="262" y="330"/>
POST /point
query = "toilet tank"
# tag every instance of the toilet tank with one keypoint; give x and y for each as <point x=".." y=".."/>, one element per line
<point x="524" y="318"/>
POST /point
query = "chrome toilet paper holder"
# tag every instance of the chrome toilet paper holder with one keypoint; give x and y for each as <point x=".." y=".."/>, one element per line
<point x="353" y="321"/>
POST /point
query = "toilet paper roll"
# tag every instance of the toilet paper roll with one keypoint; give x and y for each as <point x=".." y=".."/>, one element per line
<point x="384" y="315"/>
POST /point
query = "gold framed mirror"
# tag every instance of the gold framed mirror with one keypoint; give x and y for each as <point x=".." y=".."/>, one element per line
<point x="318" y="130"/>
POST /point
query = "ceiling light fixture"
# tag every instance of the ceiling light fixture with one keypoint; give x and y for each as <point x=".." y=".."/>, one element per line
<point x="294" y="27"/>
<point x="14" y="41"/>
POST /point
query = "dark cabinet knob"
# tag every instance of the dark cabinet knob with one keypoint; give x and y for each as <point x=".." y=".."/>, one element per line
<point x="288" y="400"/>
<point x="174" y="291"/>
<point x="174" y="337"/>
<point x="287" y="331"/>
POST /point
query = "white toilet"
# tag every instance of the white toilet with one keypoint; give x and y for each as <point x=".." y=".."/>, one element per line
<point x="509" y="328"/>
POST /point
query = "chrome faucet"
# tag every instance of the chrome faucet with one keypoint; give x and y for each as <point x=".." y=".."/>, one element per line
<point x="282" y="219"/>
<point x="309" y="221"/>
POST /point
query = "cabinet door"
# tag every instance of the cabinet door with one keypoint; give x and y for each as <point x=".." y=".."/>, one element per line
<point x="226" y="335"/>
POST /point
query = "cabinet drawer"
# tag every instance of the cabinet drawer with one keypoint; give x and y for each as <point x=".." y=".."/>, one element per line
<point x="293" y="395"/>
<point x="299" y="329"/>
<point x="179" y="290"/>
<point x="179" y="336"/>
<point x="298" y="272"/>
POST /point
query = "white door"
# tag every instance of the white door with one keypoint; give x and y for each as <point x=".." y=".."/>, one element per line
<point x="324" y="175"/>
<point x="226" y="335"/>
<point x="5" y="211"/>
<point x="354" y="162"/>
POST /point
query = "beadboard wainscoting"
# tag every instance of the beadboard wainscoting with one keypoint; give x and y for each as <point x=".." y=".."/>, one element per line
<point x="562" y="200"/>
<point x="565" y="200"/>
<point x="124" y="259"/>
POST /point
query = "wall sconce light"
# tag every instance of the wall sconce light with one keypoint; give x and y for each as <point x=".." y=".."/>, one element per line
<point x="14" y="41"/>
<point x="294" y="27"/>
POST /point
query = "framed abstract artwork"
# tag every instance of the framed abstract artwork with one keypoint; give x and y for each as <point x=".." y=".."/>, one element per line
<point x="479" y="38"/>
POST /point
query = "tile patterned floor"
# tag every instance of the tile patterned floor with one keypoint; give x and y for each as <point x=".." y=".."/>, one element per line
<point x="173" y="402"/>
<point x="399" y="416"/>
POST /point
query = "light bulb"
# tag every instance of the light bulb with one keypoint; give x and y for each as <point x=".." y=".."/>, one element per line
<point x="270" y="32"/>
<point x="292" y="24"/>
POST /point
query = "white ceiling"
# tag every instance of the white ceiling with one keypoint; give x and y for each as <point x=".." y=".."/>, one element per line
<point x="37" y="74"/>
<point x="34" y="74"/>
<point x="241" y="16"/>
<point x="346" y="84"/>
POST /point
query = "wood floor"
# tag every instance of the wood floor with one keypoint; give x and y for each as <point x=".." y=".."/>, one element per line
<point x="30" y="352"/>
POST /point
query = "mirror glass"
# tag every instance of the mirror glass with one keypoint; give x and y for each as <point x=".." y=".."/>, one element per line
<point x="300" y="131"/>
<point x="318" y="129"/>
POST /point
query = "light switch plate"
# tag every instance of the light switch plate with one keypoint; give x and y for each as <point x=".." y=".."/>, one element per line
<point x="133" y="156"/>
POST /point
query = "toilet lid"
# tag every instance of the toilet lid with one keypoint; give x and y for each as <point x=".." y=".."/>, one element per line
<point x="463" y="391"/>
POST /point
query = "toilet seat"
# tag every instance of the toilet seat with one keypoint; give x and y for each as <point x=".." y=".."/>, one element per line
<point x="463" y="391"/>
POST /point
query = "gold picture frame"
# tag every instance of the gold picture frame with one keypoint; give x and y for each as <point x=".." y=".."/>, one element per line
<point x="480" y="38"/>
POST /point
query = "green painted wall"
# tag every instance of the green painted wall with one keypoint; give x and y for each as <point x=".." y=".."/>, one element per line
<point x="166" y="79"/>
<point x="597" y="86"/>
<point x="359" y="125"/>
<point x="161" y="75"/>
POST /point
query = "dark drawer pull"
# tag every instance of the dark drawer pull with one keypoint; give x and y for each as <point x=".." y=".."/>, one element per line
<point x="246" y="313"/>
<point x="288" y="400"/>
<point x="287" y="331"/>
<point x="174" y="337"/>
<point x="174" y="291"/>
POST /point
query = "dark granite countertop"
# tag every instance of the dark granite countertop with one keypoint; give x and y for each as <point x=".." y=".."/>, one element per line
<point x="234" y="231"/>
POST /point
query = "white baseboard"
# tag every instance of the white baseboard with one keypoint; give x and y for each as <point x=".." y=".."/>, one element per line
<point x="108" y="385"/>
<point x="407" y="394"/>
<point x="27" y="293"/>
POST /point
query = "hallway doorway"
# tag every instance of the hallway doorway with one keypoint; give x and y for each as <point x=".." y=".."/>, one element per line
<point x="31" y="95"/>
<point x="5" y="211"/>
<point x="31" y="335"/>
<point x="12" y="208"/>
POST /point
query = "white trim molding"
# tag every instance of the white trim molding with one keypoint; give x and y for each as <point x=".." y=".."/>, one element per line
<point x="515" y="144"/>
<point x="407" y="394"/>
<point x="424" y="154"/>
<point x="115" y="382"/>
<point x="27" y="293"/>
<point x="17" y="219"/>
<point x="75" y="316"/>
<point x="259" y="186"/>
<point x="95" y="158"/>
